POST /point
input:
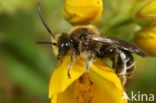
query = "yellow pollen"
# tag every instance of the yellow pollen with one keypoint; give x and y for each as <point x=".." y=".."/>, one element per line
<point x="83" y="89"/>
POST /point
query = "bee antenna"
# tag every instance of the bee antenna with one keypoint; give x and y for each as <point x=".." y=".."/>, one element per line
<point x="45" y="42"/>
<point x="43" y="21"/>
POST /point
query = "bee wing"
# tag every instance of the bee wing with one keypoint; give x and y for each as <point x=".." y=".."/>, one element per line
<point x="119" y="44"/>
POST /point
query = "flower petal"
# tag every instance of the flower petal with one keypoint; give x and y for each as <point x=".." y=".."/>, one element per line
<point x="66" y="97"/>
<point x="108" y="86"/>
<point x="54" y="100"/>
<point x="149" y="10"/>
<point x="59" y="80"/>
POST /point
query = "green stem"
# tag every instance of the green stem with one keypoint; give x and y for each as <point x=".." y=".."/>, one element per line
<point x="117" y="22"/>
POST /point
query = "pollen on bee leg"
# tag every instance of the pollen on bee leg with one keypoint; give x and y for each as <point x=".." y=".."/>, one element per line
<point x="83" y="89"/>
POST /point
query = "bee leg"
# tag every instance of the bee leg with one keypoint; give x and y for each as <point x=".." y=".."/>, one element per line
<point x="124" y="63"/>
<point x="121" y="66"/>
<point x="130" y="67"/>
<point x="89" y="61"/>
<point x="119" y="59"/>
<point x="70" y="65"/>
<point x="59" y="58"/>
<point x="123" y="79"/>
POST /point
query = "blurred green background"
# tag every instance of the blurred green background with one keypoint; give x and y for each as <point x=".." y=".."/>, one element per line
<point x="25" y="67"/>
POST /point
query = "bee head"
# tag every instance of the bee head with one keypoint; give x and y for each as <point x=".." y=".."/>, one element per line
<point x="63" y="44"/>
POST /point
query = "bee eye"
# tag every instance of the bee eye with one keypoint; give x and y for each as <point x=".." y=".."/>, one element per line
<point x="65" y="45"/>
<point x="63" y="48"/>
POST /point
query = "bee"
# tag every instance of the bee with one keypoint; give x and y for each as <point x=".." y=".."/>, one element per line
<point x="86" y="42"/>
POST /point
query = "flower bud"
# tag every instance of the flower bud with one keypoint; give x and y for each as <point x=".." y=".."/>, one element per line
<point x="148" y="10"/>
<point x="146" y="39"/>
<point x="82" y="11"/>
<point x="144" y="12"/>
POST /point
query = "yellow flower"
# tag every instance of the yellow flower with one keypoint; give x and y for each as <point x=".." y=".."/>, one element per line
<point x="82" y="11"/>
<point x="100" y="85"/>
<point x="148" y="10"/>
<point x="146" y="39"/>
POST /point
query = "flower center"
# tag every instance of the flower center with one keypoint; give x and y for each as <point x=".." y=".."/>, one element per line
<point x="83" y="89"/>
